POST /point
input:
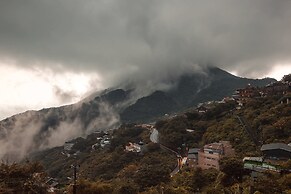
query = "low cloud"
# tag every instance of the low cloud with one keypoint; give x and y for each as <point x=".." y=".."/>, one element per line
<point x="140" y="39"/>
<point x="64" y="96"/>
<point x="32" y="89"/>
<point x="34" y="131"/>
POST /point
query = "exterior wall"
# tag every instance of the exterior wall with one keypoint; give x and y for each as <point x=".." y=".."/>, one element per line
<point x="285" y="100"/>
<point x="228" y="150"/>
<point x="208" y="160"/>
<point x="209" y="156"/>
<point x="192" y="160"/>
<point x="192" y="163"/>
<point x="248" y="92"/>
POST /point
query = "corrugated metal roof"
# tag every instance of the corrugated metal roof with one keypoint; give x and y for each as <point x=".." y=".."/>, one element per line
<point x="273" y="146"/>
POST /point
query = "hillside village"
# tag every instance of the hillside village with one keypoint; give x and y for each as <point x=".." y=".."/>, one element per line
<point x="273" y="153"/>
<point x="145" y="97"/>
<point x="234" y="145"/>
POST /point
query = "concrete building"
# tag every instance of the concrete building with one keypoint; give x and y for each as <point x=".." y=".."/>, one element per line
<point x="210" y="154"/>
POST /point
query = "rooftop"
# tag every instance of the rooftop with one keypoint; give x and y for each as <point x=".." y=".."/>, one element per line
<point x="257" y="159"/>
<point x="214" y="146"/>
<point x="193" y="151"/>
<point x="273" y="146"/>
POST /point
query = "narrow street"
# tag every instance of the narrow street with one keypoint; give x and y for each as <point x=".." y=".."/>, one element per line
<point x="154" y="137"/>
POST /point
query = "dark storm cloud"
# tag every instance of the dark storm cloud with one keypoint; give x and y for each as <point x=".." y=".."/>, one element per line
<point x="146" y="38"/>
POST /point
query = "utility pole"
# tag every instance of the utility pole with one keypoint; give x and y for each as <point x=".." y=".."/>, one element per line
<point x="75" y="178"/>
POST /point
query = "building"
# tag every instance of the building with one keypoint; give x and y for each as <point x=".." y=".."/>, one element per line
<point x="52" y="185"/>
<point x="285" y="99"/>
<point x="192" y="157"/>
<point x="210" y="154"/>
<point x="248" y="92"/>
<point x="259" y="165"/>
<point x="276" y="88"/>
<point x="104" y="142"/>
<point x="68" y="146"/>
<point x="227" y="99"/>
<point x="276" y="151"/>
<point x="202" y="109"/>
<point x="133" y="147"/>
<point x="244" y="94"/>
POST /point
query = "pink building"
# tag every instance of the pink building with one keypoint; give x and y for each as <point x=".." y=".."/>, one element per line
<point x="133" y="147"/>
<point x="210" y="154"/>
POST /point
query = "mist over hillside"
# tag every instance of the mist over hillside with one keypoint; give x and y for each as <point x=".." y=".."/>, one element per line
<point x="131" y="102"/>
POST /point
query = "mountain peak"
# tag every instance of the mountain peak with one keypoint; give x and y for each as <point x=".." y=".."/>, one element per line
<point x="53" y="126"/>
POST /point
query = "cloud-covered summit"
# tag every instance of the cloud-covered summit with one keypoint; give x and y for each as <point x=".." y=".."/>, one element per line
<point x="56" y="52"/>
<point x="121" y="38"/>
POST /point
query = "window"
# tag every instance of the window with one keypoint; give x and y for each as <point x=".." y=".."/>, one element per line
<point x="208" y="158"/>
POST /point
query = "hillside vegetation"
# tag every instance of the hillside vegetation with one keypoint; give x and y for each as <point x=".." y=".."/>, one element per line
<point x="113" y="170"/>
<point x="269" y="121"/>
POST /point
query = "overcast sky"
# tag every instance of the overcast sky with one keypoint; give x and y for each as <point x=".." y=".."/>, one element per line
<point x="56" y="52"/>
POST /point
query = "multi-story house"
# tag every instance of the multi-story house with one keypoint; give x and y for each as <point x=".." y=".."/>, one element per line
<point x="210" y="154"/>
<point x="276" y="88"/>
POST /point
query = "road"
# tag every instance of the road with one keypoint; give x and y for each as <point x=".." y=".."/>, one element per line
<point x="155" y="136"/>
<point x="175" y="171"/>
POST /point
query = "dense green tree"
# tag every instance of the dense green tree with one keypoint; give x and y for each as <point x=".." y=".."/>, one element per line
<point x="233" y="169"/>
<point x="127" y="186"/>
<point x="267" y="185"/>
<point x="152" y="175"/>
<point x="194" y="180"/>
<point x="23" y="178"/>
<point x="285" y="182"/>
<point x="153" y="147"/>
<point x="90" y="187"/>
